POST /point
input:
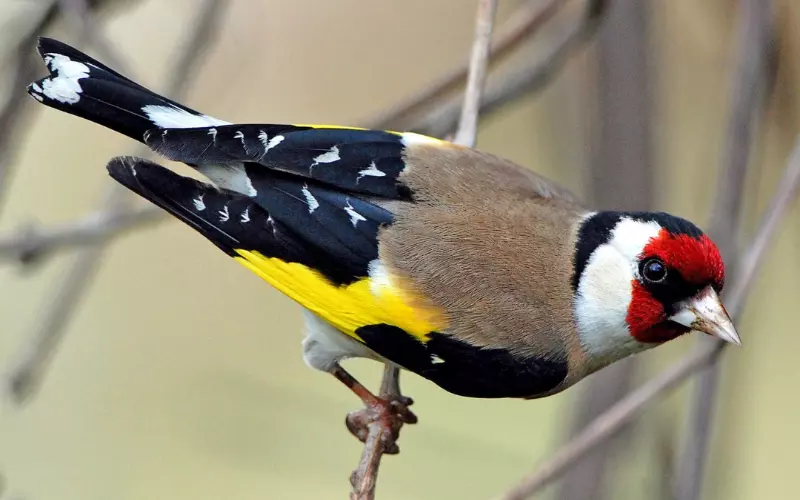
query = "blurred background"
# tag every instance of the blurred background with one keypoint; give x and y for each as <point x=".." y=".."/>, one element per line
<point x="180" y="374"/>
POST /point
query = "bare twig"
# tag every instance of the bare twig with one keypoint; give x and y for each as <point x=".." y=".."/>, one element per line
<point x="468" y="123"/>
<point x="32" y="243"/>
<point x="627" y="409"/>
<point x="364" y="478"/>
<point x="522" y="24"/>
<point x="502" y="89"/>
<point x="15" y="105"/>
<point x="747" y="98"/>
<point x="27" y="373"/>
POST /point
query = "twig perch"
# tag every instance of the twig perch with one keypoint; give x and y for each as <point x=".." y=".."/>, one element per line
<point x="627" y="409"/>
<point x="364" y="478"/>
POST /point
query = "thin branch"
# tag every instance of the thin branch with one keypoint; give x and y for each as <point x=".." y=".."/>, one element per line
<point x="15" y="106"/>
<point x="468" y="123"/>
<point x="627" y="409"/>
<point x="521" y="25"/>
<point x="27" y="373"/>
<point x="518" y="82"/>
<point x="749" y="88"/>
<point x="365" y="477"/>
<point x="32" y="244"/>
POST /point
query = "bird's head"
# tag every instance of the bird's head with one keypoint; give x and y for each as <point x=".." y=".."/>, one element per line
<point x="643" y="278"/>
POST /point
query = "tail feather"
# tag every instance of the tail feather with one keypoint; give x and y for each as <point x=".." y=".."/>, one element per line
<point x="230" y="220"/>
<point x="82" y="86"/>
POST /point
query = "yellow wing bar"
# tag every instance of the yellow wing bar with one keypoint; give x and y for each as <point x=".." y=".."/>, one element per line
<point x="347" y="307"/>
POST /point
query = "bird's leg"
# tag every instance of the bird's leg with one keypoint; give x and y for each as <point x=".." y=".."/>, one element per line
<point x="390" y="410"/>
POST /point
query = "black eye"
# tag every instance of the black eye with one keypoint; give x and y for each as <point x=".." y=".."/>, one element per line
<point x="654" y="271"/>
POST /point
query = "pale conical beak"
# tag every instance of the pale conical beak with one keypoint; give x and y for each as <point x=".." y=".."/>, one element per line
<point x="705" y="313"/>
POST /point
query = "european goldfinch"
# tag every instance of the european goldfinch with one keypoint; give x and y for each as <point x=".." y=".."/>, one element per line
<point x="460" y="266"/>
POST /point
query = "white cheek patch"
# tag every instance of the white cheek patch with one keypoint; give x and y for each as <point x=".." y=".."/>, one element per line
<point x="605" y="292"/>
<point x="601" y="305"/>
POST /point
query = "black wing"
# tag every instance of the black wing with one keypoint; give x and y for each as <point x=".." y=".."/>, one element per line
<point x="325" y="230"/>
<point x="355" y="160"/>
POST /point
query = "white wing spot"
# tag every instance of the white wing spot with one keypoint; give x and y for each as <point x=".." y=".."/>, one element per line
<point x="273" y="142"/>
<point x="372" y="171"/>
<point x="174" y="117"/>
<point x="436" y="360"/>
<point x="312" y="202"/>
<point x="267" y="142"/>
<point x="223" y="214"/>
<point x="355" y="217"/>
<point x="329" y="156"/>
<point x="239" y="135"/>
<point x="245" y="216"/>
<point x="213" y="133"/>
<point x="271" y="223"/>
<point x="199" y="205"/>
<point x="64" y="87"/>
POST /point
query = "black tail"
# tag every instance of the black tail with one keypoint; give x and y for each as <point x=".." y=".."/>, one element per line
<point x="82" y="86"/>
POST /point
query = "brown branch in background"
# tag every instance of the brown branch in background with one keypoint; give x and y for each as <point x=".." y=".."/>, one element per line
<point x="28" y="371"/>
<point x="627" y="409"/>
<point x="748" y="91"/>
<point x="620" y="177"/>
<point x="364" y="478"/>
<point x="521" y="25"/>
<point x="478" y="62"/>
<point x="14" y="107"/>
<point x="31" y="244"/>
<point x="516" y="83"/>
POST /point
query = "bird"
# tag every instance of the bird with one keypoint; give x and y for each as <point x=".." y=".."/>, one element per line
<point x="477" y="274"/>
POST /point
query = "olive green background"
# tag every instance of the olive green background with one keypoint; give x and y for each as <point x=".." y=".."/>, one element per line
<point x="181" y="376"/>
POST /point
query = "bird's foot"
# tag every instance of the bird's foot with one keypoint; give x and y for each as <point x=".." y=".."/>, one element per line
<point x="391" y="414"/>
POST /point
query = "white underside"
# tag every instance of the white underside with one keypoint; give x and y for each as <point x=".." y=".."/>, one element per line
<point x="324" y="346"/>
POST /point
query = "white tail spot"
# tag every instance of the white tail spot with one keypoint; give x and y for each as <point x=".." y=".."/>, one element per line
<point x="64" y="87"/>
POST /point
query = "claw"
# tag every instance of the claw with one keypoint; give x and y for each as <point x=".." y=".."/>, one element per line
<point x="391" y="414"/>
